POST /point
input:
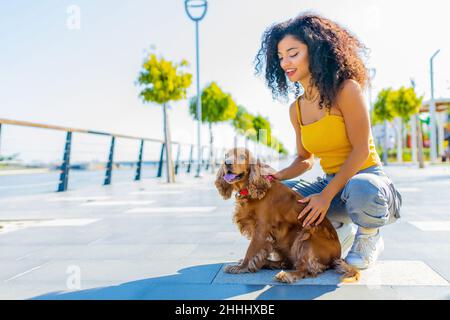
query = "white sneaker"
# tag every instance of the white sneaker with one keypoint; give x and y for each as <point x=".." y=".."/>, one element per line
<point x="346" y="235"/>
<point x="365" y="250"/>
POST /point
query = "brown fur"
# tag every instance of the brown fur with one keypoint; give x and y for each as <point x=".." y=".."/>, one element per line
<point x="268" y="217"/>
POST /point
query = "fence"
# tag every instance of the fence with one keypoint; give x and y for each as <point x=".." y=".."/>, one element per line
<point x="66" y="156"/>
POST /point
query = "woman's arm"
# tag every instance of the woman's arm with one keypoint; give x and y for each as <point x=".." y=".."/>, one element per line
<point x="304" y="160"/>
<point x="357" y="123"/>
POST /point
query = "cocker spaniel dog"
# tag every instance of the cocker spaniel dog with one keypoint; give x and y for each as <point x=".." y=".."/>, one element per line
<point x="266" y="213"/>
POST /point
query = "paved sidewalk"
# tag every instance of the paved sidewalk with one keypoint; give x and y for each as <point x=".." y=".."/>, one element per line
<point x="149" y="240"/>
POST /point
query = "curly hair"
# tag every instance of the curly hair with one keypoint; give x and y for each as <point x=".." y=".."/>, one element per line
<point x="335" y="55"/>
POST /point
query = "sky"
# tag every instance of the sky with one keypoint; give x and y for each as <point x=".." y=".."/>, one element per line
<point x="83" y="74"/>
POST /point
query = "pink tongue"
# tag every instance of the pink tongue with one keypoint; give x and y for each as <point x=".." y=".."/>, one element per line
<point x="229" y="176"/>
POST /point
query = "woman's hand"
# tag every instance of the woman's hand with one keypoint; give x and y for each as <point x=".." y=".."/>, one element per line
<point x="267" y="170"/>
<point x="316" y="209"/>
<point x="276" y="175"/>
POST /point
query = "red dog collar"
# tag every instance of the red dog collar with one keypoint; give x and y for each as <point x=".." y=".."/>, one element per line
<point x="244" y="192"/>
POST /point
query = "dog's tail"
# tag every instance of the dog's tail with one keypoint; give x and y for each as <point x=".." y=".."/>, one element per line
<point x="350" y="273"/>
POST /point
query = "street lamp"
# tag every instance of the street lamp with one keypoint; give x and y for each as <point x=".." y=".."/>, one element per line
<point x="372" y="73"/>
<point x="416" y="134"/>
<point x="196" y="10"/>
<point x="433" y="151"/>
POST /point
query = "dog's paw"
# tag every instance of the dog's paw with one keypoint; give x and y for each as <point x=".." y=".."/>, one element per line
<point x="273" y="265"/>
<point x="284" y="277"/>
<point x="286" y="265"/>
<point x="235" y="269"/>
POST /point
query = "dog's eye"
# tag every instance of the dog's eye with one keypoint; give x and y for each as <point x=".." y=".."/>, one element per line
<point x="242" y="156"/>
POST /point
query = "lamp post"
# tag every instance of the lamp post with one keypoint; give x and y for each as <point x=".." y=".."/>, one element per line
<point x="372" y="73"/>
<point x="417" y="142"/>
<point x="433" y="151"/>
<point x="196" y="10"/>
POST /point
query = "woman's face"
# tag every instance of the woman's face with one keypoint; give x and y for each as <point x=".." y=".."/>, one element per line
<point x="293" y="57"/>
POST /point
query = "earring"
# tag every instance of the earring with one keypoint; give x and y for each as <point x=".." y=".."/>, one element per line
<point x="297" y="89"/>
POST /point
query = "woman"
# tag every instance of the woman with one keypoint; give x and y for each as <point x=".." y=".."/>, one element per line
<point x="331" y="121"/>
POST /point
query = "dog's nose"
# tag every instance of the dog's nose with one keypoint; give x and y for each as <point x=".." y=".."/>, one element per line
<point x="228" y="162"/>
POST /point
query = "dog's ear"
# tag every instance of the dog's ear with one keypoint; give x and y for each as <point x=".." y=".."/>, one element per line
<point x="222" y="186"/>
<point x="257" y="183"/>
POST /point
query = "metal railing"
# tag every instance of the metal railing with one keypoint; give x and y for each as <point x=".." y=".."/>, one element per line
<point x="65" y="166"/>
<point x="269" y="154"/>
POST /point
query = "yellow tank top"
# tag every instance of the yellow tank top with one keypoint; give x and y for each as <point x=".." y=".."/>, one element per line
<point x="327" y="139"/>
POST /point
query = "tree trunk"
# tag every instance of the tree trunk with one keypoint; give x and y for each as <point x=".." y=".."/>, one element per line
<point x="211" y="141"/>
<point x="441" y="118"/>
<point x="420" y="141"/>
<point x="413" y="126"/>
<point x="399" y="137"/>
<point x="169" y="161"/>
<point x="386" y="143"/>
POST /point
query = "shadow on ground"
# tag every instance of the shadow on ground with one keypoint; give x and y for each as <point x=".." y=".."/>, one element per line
<point x="191" y="283"/>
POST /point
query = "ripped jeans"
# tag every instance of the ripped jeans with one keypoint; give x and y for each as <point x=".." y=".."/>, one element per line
<point x="368" y="199"/>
